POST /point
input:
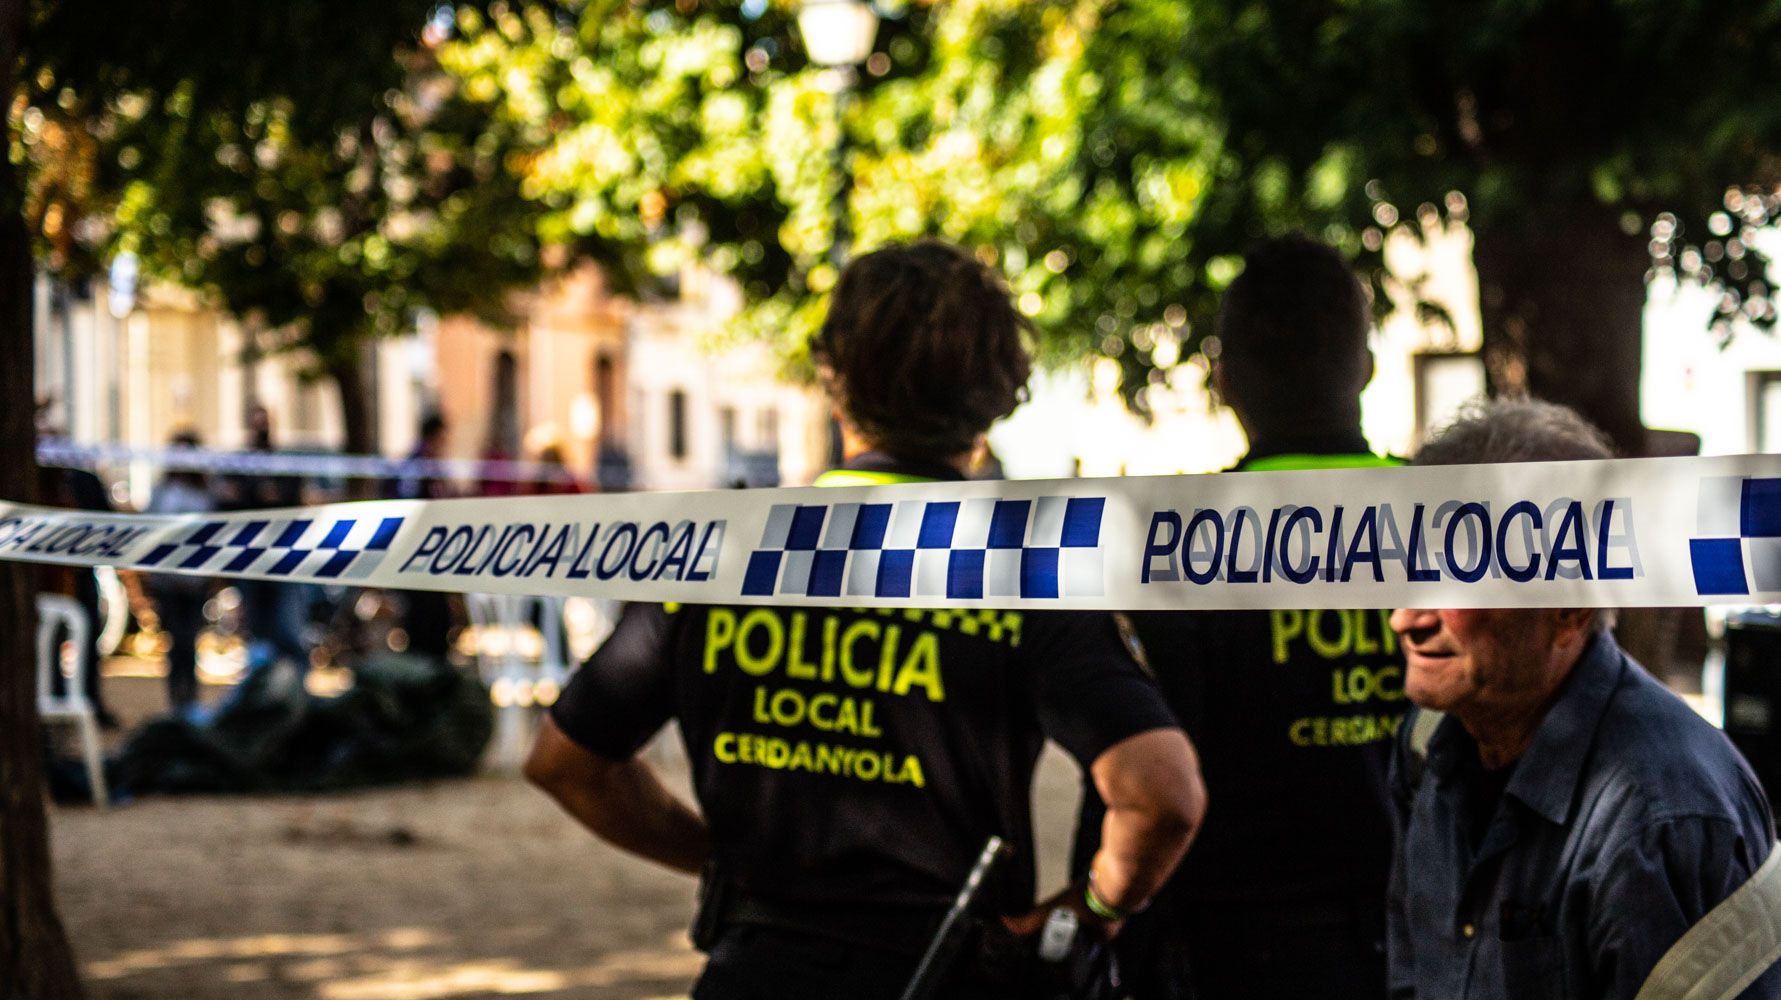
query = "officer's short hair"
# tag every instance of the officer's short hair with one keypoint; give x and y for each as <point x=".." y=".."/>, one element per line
<point x="1518" y="429"/>
<point x="1293" y="328"/>
<point x="923" y="349"/>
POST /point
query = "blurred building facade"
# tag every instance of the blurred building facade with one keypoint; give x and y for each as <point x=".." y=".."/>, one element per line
<point x="136" y="373"/>
<point x="632" y="395"/>
<point x="1723" y="385"/>
<point x="635" y="396"/>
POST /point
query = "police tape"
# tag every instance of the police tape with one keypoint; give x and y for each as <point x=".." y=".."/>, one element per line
<point x="1640" y="532"/>
<point x="64" y="454"/>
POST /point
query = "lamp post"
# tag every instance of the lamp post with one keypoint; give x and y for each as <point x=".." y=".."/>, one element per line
<point x="838" y="36"/>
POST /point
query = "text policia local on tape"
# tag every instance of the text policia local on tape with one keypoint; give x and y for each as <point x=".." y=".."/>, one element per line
<point x="683" y="552"/>
<point x="1458" y="540"/>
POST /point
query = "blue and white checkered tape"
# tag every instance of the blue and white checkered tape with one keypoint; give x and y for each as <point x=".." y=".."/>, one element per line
<point x="341" y="548"/>
<point x="1738" y="550"/>
<point x="954" y="549"/>
<point x="1635" y="533"/>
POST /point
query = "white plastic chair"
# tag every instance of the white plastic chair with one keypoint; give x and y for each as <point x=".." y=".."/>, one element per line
<point x="520" y="684"/>
<point x="57" y="611"/>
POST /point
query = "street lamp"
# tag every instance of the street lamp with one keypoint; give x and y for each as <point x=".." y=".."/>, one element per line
<point x="838" y="35"/>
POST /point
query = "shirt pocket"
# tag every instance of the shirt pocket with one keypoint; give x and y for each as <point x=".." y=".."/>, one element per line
<point x="1533" y="968"/>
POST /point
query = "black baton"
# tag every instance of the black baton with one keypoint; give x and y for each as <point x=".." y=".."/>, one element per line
<point x="943" y="950"/>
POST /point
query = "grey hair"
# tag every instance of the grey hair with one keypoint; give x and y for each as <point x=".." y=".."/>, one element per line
<point x="1518" y="429"/>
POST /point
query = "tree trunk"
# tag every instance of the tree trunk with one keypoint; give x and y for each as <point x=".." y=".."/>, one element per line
<point x="1562" y="293"/>
<point x="36" y="962"/>
<point x="348" y="367"/>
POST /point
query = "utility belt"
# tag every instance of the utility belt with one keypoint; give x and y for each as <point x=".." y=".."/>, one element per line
<point x="899" y="930"/>
<point x="964" y="952"/>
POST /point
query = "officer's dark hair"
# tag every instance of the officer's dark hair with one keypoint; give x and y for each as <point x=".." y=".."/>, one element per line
<point x="1292" y="330"/>
<point x="922" y="349"/>
<point x="1518" y="429"/>
<point x="432" y="424"/>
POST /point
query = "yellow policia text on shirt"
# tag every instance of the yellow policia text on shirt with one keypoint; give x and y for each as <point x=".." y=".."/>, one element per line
<point x="761" y="642"/>
<point x="828" y="671"/>
<point x="1345" y="635"/>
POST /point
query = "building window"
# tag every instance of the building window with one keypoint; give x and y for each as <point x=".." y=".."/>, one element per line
<point x="606" y="400"/>
<point x="770" y="430"/>
<point x="677" y="425"/>
<point x="726" y="420"/>
<point x="1445" y="381"/>
<point x="1765" y="411"/>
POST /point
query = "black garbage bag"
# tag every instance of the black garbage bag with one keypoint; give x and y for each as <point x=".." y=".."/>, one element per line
<point x="405" y="718"/>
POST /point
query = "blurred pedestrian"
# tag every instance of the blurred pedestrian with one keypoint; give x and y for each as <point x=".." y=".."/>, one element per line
<point x="179" y="598"/>
<point x="275" y="612"/>
<point x="426" y="614"/>
<point x="77" y="489"/>
<point x="421" y="478"/>
<point x="552" y="476"/>
<point x="1568" y="819"/>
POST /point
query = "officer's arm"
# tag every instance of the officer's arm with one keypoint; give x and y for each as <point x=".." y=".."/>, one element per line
<point x="622" y="801"/>
<point x="1155" y="803"/>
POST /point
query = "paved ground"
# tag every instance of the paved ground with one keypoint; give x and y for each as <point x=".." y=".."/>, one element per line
<point x="467" y="889"/>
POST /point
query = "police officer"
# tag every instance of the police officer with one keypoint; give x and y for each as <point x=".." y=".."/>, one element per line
<point x="849" y="765"/>
<point x="1292" y="710"/>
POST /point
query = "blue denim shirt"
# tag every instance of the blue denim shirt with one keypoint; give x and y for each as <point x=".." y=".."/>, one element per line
<point x="1627" y="819"/>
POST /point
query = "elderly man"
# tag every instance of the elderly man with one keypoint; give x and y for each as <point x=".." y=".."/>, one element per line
<point x="1569" y="819"/>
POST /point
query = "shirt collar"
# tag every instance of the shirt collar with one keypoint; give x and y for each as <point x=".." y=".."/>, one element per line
<point x="1546" y="779"/>
<point x="878" y="461"/>
<point x="1546" y="775"/>
<point x="1350" y="442"/>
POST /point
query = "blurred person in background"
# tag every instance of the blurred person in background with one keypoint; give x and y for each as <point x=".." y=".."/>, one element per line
<point x="418" y="481"/>
<point x="554" y="477"/>
<point x="426" y="614"/>
<point x="275" y="612"/>
<point x="179" y="598"/>
<point x="77" y="489"/>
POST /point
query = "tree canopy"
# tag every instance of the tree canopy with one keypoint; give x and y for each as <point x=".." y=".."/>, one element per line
<point x="1115" y="158"/>
<point x="1588" y="144"/>
<point x="326" y="208"/>
<point x="1061" y="140"/>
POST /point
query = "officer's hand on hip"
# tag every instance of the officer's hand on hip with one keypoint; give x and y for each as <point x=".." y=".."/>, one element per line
<point x="1075" y="899"/>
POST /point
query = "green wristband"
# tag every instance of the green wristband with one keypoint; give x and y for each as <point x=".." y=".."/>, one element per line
<point x="1100" y="909"/>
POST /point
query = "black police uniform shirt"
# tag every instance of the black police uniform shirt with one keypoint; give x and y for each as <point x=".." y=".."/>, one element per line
<point x="858" y="759"/>
<point x="1293" y="713"/>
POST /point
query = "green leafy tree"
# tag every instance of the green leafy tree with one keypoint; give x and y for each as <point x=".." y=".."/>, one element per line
<point x="322" y="236"/>
<point x="1116" y="158"/>
<point x="118" y="125"/>
<point x="1061" y="139"/>
<point x="1586" y="144"/>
